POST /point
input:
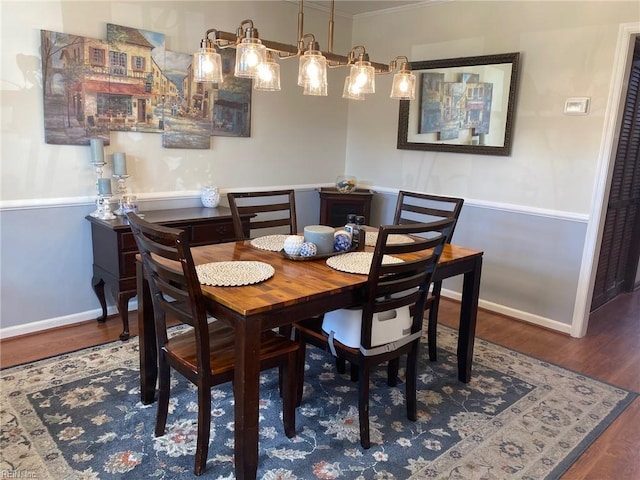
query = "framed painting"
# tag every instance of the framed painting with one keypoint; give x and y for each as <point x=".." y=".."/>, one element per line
<point x="67" y="65"/>
<point x="130" y="82"/>
<point x="464" y="105"/>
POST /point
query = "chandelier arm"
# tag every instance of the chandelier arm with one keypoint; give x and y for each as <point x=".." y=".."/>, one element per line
<point x="289" y="51"/>
<point x="285" y="55"/>
<point x="231" y="39"/>
<point x="244" y="22"/>
<point x="392" y="66"/>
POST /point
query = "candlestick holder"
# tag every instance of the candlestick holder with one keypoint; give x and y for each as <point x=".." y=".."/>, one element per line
<point x="98" y="167"/>
<point x="122" y="191"/>
<point x="105" y="207"/>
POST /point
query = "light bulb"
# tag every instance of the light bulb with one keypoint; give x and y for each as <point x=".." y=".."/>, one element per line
<point x="265" y="73"/>
<point x="207" y="66"/>
<point x="251" y="58"/>
<point x="313" y="71"/>
<point x="361" y="79"/>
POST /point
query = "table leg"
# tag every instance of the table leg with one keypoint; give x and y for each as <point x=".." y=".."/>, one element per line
<point x="468" y="317"/>
<point x="123" y="309"/>
<point x="246" y="396"/>
<point x="98" y="287"/>
<point x="147" y="338"/>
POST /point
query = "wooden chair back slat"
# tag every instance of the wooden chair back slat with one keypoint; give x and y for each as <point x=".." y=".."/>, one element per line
<point x="271" y="211"/>
<point x="414" y="207"/>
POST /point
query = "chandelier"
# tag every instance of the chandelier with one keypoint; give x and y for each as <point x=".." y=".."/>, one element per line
<point x="257" y="59"/>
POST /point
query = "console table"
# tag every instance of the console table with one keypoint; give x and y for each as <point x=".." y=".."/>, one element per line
<point x="114" y="249"/>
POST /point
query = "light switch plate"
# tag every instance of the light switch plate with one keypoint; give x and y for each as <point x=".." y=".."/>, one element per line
<point x="576" y="106"/>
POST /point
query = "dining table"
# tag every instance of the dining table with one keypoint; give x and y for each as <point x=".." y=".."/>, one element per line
<point x="297" y="290"/>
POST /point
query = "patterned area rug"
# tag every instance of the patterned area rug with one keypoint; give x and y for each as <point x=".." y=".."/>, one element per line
<point x="78" y="416"/>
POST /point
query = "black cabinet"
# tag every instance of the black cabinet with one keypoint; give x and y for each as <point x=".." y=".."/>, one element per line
<point x="335" y="206"/>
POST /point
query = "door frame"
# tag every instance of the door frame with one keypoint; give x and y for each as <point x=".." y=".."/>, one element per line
<point x="627" y="34"/>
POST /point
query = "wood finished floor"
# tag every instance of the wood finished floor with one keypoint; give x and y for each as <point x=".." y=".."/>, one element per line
<point x="610" y="352"/>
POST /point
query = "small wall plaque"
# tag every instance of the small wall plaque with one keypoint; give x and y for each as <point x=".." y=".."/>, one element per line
<point x="576" y="106"/>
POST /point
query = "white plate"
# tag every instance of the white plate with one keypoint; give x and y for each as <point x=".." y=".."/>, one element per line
<point x="357" y="262"/>
<point x="273" y="243"/>
<point x="233" y="274"/>
<point x="371" y="239"/>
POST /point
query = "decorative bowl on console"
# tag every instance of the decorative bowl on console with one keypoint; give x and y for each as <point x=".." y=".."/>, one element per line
<point x="346" y="183"/>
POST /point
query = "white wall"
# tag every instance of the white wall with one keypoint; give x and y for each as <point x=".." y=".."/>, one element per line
<point x="529" y="211"/>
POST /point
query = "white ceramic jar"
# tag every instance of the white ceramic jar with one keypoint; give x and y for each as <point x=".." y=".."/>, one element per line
<point x="210" y="196"/>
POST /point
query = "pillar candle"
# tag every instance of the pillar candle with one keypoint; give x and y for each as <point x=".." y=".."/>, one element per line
<point x="104" y="186"/>
<point x="97" y="150"/>
<point x="119" y="163"/>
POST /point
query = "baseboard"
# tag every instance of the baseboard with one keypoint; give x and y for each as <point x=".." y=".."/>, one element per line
<point x="39" y="326"/>
<point x="512" y="312"/>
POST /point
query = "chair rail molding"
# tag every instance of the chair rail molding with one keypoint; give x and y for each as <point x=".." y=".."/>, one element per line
<point x="506" y="207"/>
<point x="37" y="203"/>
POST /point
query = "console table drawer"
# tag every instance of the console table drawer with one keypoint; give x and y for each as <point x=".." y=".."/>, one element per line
<point x="208" y="233"/>
<point x="128" y="242"/>
<point x="128" y="264"/>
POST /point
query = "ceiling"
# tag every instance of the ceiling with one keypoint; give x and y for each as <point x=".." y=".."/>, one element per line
<point x="356" y="7"/>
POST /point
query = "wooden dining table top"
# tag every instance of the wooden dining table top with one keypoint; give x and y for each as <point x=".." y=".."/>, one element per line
<point x="294" y="281"/>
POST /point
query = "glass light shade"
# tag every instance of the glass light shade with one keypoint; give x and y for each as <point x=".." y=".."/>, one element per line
<point x="268" y="78"/>
<point x="312" y="69"/>
<point x="363" y="76"/>
<point x="250" y="54"/>
<point x="404" y="86"/>
<point x="316" y="90"/>
<point x="207" y="66"/>
<point x="351" y="92"/>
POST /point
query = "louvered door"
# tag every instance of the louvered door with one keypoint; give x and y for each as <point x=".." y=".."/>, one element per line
<point x="620" y="248"/>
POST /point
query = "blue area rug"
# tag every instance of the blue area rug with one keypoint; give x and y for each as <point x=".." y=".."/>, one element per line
<point x="78" y="416"/>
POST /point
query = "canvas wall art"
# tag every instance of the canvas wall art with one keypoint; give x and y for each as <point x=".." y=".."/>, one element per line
<point x="131" y="82"/>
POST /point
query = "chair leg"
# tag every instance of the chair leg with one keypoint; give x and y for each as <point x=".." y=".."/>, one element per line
<point x="204" y="426"/>
<point x="432" y="326"/>
<point x="299" y="368"/>
<point x="411" y="382"/>
<point x="392" y="372"/>
<point x="363" y="406"/>
<point x="164" y="389"/>
<point x="289" y="394"/>
<point x="354" y="373"/>
<point x="341" y="365"/>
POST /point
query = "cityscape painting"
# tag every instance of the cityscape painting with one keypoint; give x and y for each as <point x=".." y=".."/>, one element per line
<point x="448" y="107"/>
<point x="130" y="82"/>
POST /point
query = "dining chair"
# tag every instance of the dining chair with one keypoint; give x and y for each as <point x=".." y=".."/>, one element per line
<point x="204" y="354"/>
<point x="388" y="322"/>
<point x="273" y="210"/>
<point x="412" y="207"/>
